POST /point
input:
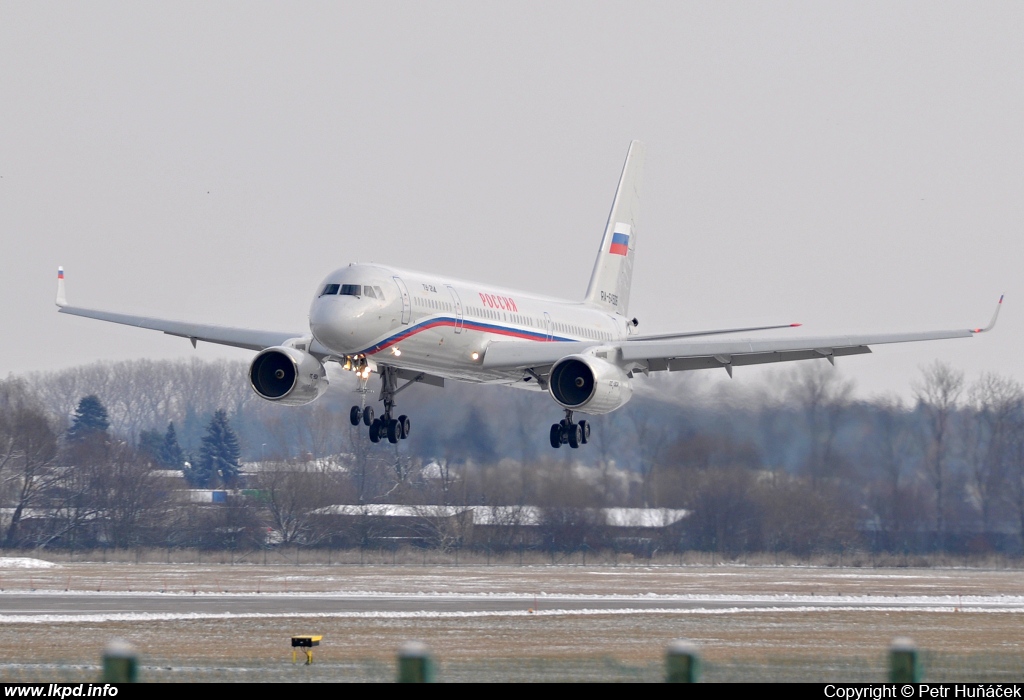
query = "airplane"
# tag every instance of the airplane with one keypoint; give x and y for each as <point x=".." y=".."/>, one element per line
<point x="412" y="327"/>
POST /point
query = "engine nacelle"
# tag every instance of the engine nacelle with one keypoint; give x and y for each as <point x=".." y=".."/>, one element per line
<point x="589" y="384"/>
<point x="287" y="375"/>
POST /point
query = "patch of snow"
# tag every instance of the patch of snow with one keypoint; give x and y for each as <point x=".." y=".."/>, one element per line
<point x="25" y="563"/>
<point x="451" y="614"/>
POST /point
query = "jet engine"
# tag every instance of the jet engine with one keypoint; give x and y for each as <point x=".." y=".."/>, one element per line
<point x="288" y="376"/>
<point x="589" y="384"/>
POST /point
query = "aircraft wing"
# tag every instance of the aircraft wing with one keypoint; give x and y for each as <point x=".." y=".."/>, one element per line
<point x="247" y="338"/>
<point x="717" y="331"/>
<point x="682" y="353"/>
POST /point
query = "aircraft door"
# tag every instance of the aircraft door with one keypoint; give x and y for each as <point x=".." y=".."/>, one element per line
<point x="547" y="325"/>
<point x="459" y="322"/>
<point x="406" y="301"/>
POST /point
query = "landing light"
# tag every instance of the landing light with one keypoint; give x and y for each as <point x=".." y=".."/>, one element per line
<point x="396" y="351"/>
<point x="475" y="356"/>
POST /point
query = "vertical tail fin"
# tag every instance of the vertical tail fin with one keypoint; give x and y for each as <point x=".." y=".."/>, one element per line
<point x="613" y="270"/>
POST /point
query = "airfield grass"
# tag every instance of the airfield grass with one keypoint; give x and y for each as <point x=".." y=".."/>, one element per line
<point x="818" y="645"/>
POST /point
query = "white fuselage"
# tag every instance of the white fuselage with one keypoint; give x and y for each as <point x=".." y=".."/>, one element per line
<point x="443" y="326"/>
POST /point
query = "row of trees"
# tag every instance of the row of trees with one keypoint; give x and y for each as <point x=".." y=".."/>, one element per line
<point x="86" y="479"/>
<point x="792" y="463"/>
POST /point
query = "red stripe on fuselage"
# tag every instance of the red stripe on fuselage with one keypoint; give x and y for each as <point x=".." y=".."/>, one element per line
<point x="470" y="325"/>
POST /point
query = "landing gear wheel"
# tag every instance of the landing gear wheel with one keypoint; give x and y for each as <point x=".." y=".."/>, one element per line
<point x="575" y="435"/>
<point x="404" y="422"/>
<point x="394" y="432"/>
<point x="375" y="427"/>
<point x="355" y="416"/>
<point x="556" y="436"/>
<point x="368" y="415"/>
<point x="585" y="427"/>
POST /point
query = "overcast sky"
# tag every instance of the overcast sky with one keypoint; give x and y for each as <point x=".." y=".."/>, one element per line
<point x="852" y="166"/>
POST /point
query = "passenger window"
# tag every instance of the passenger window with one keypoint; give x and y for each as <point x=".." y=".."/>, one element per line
<point x="329" y="289"/>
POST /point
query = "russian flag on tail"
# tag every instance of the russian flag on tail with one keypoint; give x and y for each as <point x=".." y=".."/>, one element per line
<point x="620" y="240"/>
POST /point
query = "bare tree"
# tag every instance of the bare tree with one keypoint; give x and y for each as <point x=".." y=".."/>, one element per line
<point x="606" y="429"/>
<point x="651" y="438"/>
<point x="802" y="517"/>
<point x="28" y="450"/>
<point x="142" y="394"/>
<point x="890" y="449"/>
<point x="127" y="494"/>
<point x="823" y="396"/>
<point x="937" y="393"/>
<point x="724" y="513"/>
<point x="1015" y="469"/>
<point x="446" y="527"/>
<point x="993" y="404"/>
<point x="292" y="493"/>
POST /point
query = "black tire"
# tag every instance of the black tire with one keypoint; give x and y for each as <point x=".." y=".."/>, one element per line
<point x="394" y="432"/>
<point x="368" y="415"/>
<point x="575" y="434"/>
<point x="585" y="426"/>
<point x="406" y="425"/>
<point x="355" y="416"/>
<point x="375" y="430"/>
<point x="556" y="436"/>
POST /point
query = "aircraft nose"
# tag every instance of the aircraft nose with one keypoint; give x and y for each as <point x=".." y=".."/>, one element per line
<point x="330" y="322"/>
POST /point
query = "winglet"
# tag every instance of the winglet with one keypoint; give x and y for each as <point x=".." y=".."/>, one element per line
<point x="62" y="299"/>
<point x="992" y="323"/>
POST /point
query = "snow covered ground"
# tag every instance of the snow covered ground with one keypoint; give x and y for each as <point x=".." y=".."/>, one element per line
<point x="25" y="563"/>
<point x="221" y="622"/>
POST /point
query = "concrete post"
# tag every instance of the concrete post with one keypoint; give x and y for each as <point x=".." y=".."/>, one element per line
<point x="415" y="664"/>
<point x="120" y="662"/>
<point x="904" y="666"/>
<point x="682" y="662"/>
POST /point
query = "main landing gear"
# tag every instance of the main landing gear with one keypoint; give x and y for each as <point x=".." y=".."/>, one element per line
<point x="394" y="429"/>
<point x="565" y="432"/>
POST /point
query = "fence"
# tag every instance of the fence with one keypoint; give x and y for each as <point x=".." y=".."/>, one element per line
<point x="682" y="662"/>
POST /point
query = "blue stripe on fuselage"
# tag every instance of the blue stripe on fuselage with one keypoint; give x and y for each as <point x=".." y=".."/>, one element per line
<point x="443" y="321"/>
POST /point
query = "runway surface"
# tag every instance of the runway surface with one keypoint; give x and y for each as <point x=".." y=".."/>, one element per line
<point x="206" y="621"/>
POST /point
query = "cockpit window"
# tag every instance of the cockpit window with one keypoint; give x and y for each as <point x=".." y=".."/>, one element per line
<point x="352" y="290"/>
<point x="380" y="294"/>
<point x="329" y="289"/>
<point x="368" y="291"/>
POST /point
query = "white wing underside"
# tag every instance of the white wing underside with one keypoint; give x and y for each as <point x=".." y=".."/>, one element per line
<point x="683" y="354"/>
<point x="247" y="338"/>
<point x="680" y="352"/>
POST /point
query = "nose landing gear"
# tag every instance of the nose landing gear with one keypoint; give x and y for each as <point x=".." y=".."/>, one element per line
<point x="566" y="432"/>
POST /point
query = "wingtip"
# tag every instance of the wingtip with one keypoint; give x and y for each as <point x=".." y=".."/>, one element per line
<point x="795" y="325"/>
<point x="995" y="317"/>
<point x="61" y="300"/>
